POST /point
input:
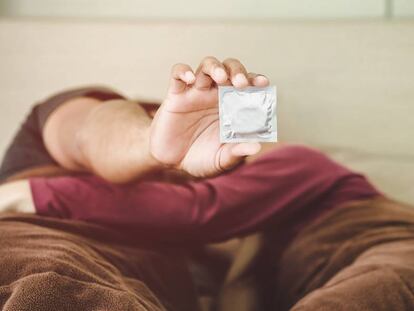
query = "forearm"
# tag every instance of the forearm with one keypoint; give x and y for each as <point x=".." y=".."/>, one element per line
<point x="288" y="184"/>
<point x="109" y="139"/>
<point x="114" y="141"/>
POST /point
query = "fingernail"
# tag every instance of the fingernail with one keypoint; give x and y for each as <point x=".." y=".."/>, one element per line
<point x="219" y="74"/>
<point x="189" y="77"/>
<point x="240" y="80"/>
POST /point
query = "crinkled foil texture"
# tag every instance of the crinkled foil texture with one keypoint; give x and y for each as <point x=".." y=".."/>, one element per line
<point x="247" y="115"/>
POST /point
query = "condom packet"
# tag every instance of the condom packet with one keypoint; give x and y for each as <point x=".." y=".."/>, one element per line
<point x="247" y="115"/>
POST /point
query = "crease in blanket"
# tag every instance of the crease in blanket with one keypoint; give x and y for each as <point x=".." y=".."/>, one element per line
<point x="53" y="264"/>
<point x="359" y="256"/>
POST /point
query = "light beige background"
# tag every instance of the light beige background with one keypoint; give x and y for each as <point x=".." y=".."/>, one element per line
<point x="190" y="9"/>
<point x="403" y="8"/>
<point x="346" y="87"/>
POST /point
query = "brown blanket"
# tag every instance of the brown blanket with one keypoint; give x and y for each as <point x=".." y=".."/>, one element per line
<point x="52" y="264"/>
<point x="358" y="257"/>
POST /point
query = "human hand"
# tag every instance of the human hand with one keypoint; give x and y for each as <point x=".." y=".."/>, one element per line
<point x="185" y="130"/>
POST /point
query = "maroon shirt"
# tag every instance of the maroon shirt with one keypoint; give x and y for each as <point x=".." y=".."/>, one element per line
<point x="288" y="187"/>
<point x="285" y="189"/>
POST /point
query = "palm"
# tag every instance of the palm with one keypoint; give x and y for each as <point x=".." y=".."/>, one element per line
<point x="186" y="131"/>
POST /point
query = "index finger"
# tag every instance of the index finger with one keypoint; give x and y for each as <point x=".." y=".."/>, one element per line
<point x="210" y="69"/>
<point x="181" y="76"/>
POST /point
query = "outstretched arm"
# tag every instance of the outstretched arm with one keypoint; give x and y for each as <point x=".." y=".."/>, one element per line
<point x="185" y="131"/>
<point x="119" y="142"/>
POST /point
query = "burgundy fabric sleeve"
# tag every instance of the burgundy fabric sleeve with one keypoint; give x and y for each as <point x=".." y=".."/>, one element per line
<point x="290" y="185"/>
<point x="27" y="149"/>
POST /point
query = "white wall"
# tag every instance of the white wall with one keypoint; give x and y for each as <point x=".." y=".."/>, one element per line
<point x="190" y="9"/>
<point x="403" y="8"/>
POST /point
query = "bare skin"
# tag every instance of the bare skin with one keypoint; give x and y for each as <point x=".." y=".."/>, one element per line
<point x="189" y="118"/>
<point x="118" y="141"/>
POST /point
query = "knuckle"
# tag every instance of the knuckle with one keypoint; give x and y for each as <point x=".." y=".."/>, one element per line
<point x="174" y="68"/>
<point x="210" y="61"/>
<point x="231" y="61"/>
<point x="178" y="66"/>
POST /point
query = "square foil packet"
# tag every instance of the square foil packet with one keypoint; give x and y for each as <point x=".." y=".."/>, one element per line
<point x="247" y="115"/>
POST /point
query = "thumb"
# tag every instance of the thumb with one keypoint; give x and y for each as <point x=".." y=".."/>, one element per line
<point x="231" y="154"/>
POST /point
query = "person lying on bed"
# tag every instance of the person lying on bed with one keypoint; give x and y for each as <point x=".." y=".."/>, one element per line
<point x="133" y="191"/>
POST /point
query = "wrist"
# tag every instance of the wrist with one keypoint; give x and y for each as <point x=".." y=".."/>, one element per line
<point x="151" y="161"/>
